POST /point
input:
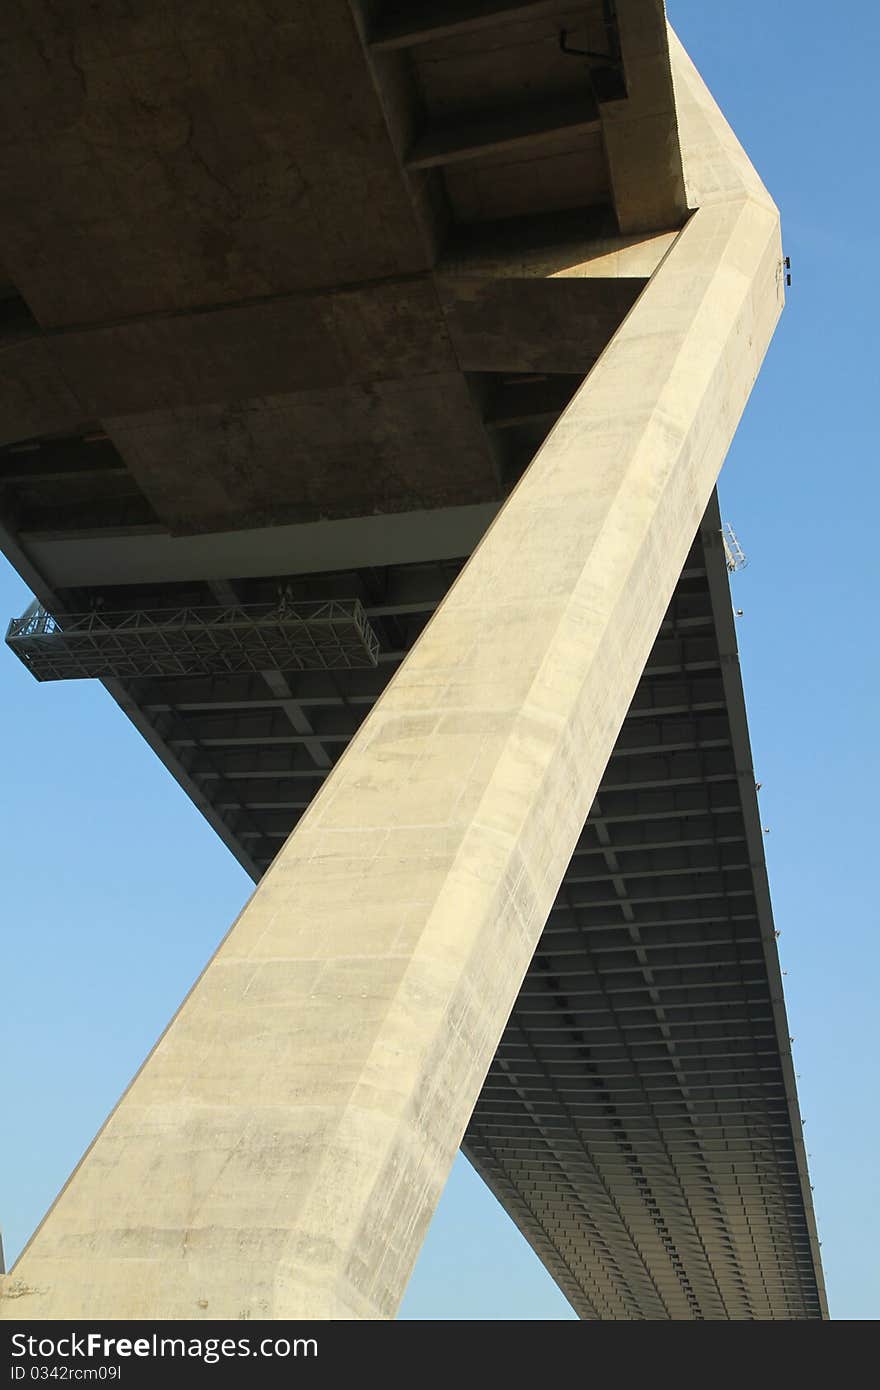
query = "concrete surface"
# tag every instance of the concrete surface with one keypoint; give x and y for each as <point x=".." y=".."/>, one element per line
<point x="282" y="1150"/>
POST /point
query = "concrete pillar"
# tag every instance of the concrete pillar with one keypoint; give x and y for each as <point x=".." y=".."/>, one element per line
<point x="281" y="1151"/>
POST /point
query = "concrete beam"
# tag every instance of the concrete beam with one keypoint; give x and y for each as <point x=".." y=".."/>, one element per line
<point x="308" y="341"/>
<point x="443" y="21"/>
<point x="282" y="1150"/>
<point x="444" y="533"/>
<point x="640" y="131"/>
<point x="511" y="132"/>
<point x="530" y="325"/>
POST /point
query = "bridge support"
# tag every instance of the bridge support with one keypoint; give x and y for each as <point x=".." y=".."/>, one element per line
<point x="281" y="1151"/>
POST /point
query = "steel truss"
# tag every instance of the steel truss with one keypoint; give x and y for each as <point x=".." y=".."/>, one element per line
<point x="194" y="641"/>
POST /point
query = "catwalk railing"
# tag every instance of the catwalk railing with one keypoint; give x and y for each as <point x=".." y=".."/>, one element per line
<point x="193" y="641"/>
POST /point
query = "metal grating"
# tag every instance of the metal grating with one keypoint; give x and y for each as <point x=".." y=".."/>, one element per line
<point x="194" y="641"/>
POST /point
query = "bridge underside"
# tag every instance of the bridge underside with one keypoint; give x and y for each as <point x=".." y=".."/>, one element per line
<point x="639" y="1120"/>
<point x="246" y="457"/>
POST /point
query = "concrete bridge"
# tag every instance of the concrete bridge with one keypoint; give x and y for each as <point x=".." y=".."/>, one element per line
<point x="368" y="369"/>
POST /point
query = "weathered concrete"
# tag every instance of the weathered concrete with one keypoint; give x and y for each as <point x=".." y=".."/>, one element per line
<point x="318" y="404"/>
<point x="282" y="1150"/>
<point x="161" y="156"/>
<point x="641" y="140"/>
<point x="288" y="322"/>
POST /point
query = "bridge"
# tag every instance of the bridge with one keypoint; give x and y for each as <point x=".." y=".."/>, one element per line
<point x="368" y="372"/>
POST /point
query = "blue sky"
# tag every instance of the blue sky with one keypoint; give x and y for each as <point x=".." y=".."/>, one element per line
<point x="115" y="891"/>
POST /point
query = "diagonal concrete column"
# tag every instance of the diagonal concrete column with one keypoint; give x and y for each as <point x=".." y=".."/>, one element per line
<point x="281" y="1151"/>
